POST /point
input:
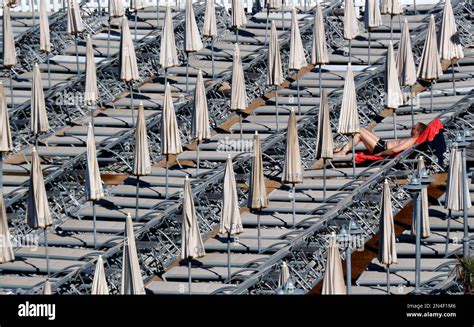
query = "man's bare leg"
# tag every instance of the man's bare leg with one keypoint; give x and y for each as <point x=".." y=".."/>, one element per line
<point x="368" y="138"/>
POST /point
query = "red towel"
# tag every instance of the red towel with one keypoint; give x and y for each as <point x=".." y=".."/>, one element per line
<point x="362" y="157"/>
<point x="431" y="131"/>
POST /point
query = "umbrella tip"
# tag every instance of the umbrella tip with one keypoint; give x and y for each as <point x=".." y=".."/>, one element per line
<point x="228" y="155"/>
<point x="186" y="178"/>
<point x="33" y="149"/>
<point x="129" y="215"/>
<point x="141" y="104"/>
<point x="256" y="132"/>
<point x="385" y="181"/>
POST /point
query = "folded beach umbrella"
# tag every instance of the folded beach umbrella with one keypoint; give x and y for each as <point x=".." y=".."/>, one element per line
<point x="425" y="216"/>
<point x="333" y="282"/>
<point x="99" y="283"/>
<point x="274" y="68"/>
<point x="238" y="94"/>
<point x="115" y="10"/>
<point x="136" y="5"/>
<point x="192" y="38"/>
<point x="45" y="42"/>
<point x="393" y="93"/>
<point x="387" y="242"/>
<point x="168" y="54"/>
<point x="39" y="117"/>
<point x="297" y="59"/>
<point x="209" y="28"/>
<point x="238" y="17"/>
<point x="324" y="138"/>
<point x="6" y="250"/>
<point x="284" y="274"/>
<point x="75" y="26"/>
<point x="9" y="51"/>
<point x="372" y="19"/>
<point x="200" y="129"/>
<point x="47" y="287"/>
<point x="319" y="53"/>
<point x="132" y="282"/>
<point x="192" y="246"/>
<point x="273" y="4"/>
<point x="392" y="7"/>
<point x="351" y="25"/>
<point x="91" y="94"/>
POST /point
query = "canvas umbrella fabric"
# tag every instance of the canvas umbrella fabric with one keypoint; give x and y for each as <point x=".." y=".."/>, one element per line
<point x="38" y="214"/>
<point x="392" y="7"/>
<point x="324" y="138"/>
<point x="450" y="47"/>
<point x="115" y="10"/>
<point x="192" y="39"/>
<point x="192" y="246"/>
<point x="425" y="216"/>
<point x="351" y="26"/>
<point x="457" y="190"/>
<point x="128" y="61"/>
<point x="6" y="249"/>
<point x="273" y="4"/>
<point x="9" y="51"/>
<point x="47" y="287"/>
<point x="94" y="189"/>
<point x="99" y="283"/>
<point x="170" y="140"/>
<point x="200" y="129"/>
<point x="39" y="117"/>
<point x="45" y="43"/>
<point x="297" y="59"/>
<point x="168" y="54"/>
<point x="238" y="97"/>
<point x="91" y="93"/>
<point x="372" y="19"/>
<point x="333" y="282"/>
<point x="6" y="144"/>
<point x="74" y="26"/>
<point x="406" y="64"/>
<point x="349" y="118"/>
<point x="209" y="29"/>
<point x="141" y="160"/>
<point x="319" y="53"/>
<point x="274" y="68"/>
<point x="231" y="222"/>
<point x="393" y="93"/>
<point x="387" y="243"/>
<point x="132" y="282"/>
<point x="257" y="196"/>
<point x="430" y="68"/>
<point x="238" y="17"/>
<point x="292" y="168"/>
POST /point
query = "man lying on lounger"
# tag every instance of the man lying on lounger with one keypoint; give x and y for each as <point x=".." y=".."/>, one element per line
<point x="379" y="147"/>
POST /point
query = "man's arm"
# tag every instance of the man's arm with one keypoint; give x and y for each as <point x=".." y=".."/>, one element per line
<point x="405" y="144"/>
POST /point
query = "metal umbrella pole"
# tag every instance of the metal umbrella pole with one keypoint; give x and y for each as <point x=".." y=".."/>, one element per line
<point x="259" y="236"/>
<point x="33" y="13"/>
<point x="266" y="25"/>
<point x="353" y="157"/>
<point x="324" y="180"/>
<point x="190" y="260"/>
<point x="448" y="231"/>
<point x="46" y="251"/>
<point x="137" y="196"/>
<point x="411" y="108"/>
<point x="197" y="159"/>
<point x="293" y="205"/>
<point x="1" y="171"/>
<point x="212" y="56"/>
<point x="228" y="257"/>
<point x="276" y="108"/>
<point x="237" y="35"/>
<point x="391" y="27"/>
<point x="454" y="79"/>
<point x="241" y="130"/>
<point x="395" y="123"/>
<point x="136" y="23"/>
<point x="108" y="39"/>
<point x="370" y="39"/>
<point x="187" y="71"/>
<point x="12" y="102"/>
<point x="320" y="81"/>
<point x="132" y="107"/>
<point x="298" y="92"/>
<point x="418" y="241"/>
<point x="465" y="190"/>
<point x="77" y="55"/>
<point x="388" y="279"/>
<point x="348" y="269"/>
<point x="431" y="97"/>
<point x="350" y="50"/>
<point x="282" y="16"/>
<point x="94" y="223"/>
<point x="166" y="180"/>
<point x="49" y="69"/>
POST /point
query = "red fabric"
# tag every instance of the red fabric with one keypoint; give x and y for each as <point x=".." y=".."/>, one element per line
<point x="430" y="132"/>
<point x="362" y="157"/>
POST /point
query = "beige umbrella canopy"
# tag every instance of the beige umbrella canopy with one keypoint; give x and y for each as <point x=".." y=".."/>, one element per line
<point x="297" y="56"/>
<point x="372" y="16"/>
<point x="238" y="100"/>
<point x="39" y="117"/>
<point x="449" y="46"/>
<point x="324" y="139"/>
<point x="349" y="119"/>
<point x="6" y="249"/>
<point x="405" y="61"/>
<point x="257" y="197"/>
<point x="141" y="160"/>
<point x="38" y="214"/>
<point x="116" y="8"/>
<point x="209" y="29"/>
<point x="231" y="222"/>
<point x="6" y="144"/>
<point x="45" y="43"/>
<point x="333" y="282"/>
<point x="273" y="4"/>
<point x="387" y="243"/>
<point x="200" y="129"/>
<point x="192" y="245"/>
<point x="238" y="18"/>
<point x="132" y="282"/>
<point x="192" y="39"/>
<point x="9" y="52"/>
<point x="430" y="63"/>
<point x="454" y="190"/>
<point x="284" y="274"/>
<point x="425" y="216"/>
<point x="393" y="94"/>
<point x="99" y="283"/>
<point x="170" y="140"/>
<point x="74" y="20"/>
<point x="94" y="189"/>
<point x="275" y="71"/>
<point x="319" y="54"/>
<point x="392" y="7"/>
<point x="168" y="54"/>
<point x="128" y="58"/>
<point x="91" y="93"/>
<point x="351" y="26"/>
<point x="292" y="169"/>
<point x="137" y="4"/>
<point x="47" y="288"/>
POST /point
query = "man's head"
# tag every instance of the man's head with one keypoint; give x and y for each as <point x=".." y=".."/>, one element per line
<point x="418" y="129"/>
